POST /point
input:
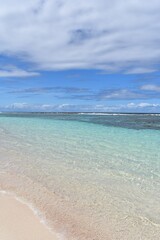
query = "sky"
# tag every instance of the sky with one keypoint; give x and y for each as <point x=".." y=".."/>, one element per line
<point x="94" y="55"/>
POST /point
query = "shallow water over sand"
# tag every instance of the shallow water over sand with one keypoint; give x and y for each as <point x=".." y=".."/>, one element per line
<point x="90" y="177"/>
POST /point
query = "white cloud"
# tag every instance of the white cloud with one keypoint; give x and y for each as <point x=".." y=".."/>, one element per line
<point x="110" y="35"/>
<point x="20" y="106"/>
<point x="129" y="107"/>
<point x="121" y="94"/>
<point x="12" y="71"/>
<point x="151" y="87"/>
<point x="140" y="70"/>
<point x="142" y="105"/>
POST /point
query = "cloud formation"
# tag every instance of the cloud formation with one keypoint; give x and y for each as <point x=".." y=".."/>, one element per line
<point x="48" y="90"/>
<point x="12" y="71"/>
<point x="151" y="87"/>
<point x="121" y="94"/>
<point x="130" y="107"/>
<point x="115" y="36"/>
<point x="88" y="94"/>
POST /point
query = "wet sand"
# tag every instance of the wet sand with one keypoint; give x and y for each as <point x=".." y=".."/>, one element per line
<point x="18" y="222"/>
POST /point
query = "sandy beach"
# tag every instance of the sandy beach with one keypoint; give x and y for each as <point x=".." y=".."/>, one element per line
<point x="18" y="222"/>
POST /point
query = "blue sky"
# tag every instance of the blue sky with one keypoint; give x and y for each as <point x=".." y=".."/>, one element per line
<point x="91" y="56"/>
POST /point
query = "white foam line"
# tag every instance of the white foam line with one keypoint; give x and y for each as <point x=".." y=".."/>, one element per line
<point x="119" y="114"/>
<point x="36" y="212"/>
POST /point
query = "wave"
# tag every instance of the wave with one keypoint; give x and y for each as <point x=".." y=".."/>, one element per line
<point x="35" y="211"/>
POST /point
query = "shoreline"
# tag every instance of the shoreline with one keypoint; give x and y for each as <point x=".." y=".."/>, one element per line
<point x="19" y="222"/>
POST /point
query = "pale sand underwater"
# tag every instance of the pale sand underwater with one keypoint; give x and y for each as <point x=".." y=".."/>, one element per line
<point x="90" y="177"/>
<point x="18" y="222"/>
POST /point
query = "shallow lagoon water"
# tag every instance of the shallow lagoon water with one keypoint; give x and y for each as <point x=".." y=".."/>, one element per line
<point x="92" y="176"/>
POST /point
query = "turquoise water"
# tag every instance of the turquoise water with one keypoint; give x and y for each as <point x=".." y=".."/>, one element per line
<point x="91" y="176"/>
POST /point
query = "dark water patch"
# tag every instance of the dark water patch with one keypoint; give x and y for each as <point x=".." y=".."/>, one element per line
<point x="132" y="121"/>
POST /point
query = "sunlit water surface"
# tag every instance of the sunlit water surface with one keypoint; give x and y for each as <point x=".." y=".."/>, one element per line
<point x="89" y="176"/>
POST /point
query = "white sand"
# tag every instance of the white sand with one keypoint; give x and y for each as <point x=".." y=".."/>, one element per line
<point x="18" y="222"/>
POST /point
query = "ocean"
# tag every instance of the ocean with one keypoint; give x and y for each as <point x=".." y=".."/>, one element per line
<point x="87" y="175"/>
